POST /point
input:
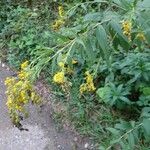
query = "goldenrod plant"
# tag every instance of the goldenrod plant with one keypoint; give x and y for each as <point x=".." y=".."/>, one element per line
<point x="58" y="23"/>
<point x="89" y="85"/>
<point x="20" y="92"/>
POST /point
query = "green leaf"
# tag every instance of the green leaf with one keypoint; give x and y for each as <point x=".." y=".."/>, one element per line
<point x="113" y="131"/>
<point x="103" y="93"/>
<point x="131" y="140"/>
<point x="115" y="141"/>
<point x="102" y="40"/>
<point x="102" y="37"/>
<point x="146" y="126"/>
<point x="126" y="100"/>
<point x="97" y="16"/>
<point x="145" y="112"/>
<point x="123" y="125"/>
<point x="146" y="91"/>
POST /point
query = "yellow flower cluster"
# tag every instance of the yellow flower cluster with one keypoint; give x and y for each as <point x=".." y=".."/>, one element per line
<point x="58" y="23"/>
<point x="74" y="61"/>
<point x="64" y="68"/>
<point x="24" y="65"/>
<point x="61" y="11"/>
<point x="61" y="65"/>
<point x="19" y="93"/>
<point x="59" y="77"/>
<point x="127" y="26"/>
<point x="89" y="85"/>
<point x="141" y="36"/>
<point x="23" y="74"/>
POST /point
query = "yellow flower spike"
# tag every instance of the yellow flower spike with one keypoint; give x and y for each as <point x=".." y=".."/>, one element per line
<point x="24" y="65"/>
<point x="141" y="36"/>
<point x="89" y="85"/>
<point x="19" y="108"/>
<point x="18" y="93"/>
<point x="23" y="95"/>
<point x="69" y="70"/>
<point x="74" y="61"/>
<point x="60" y="11"/>
<point x="89" y="78"/>
<point x="9" y="81"/>
<point x="33" y="95"/>
<point x="9" y="103"/>
<point x="127" y="27"/>
<point x="83" y="88"/>
<point x="19" y="84"/>
<point x="57" y="24"/>
<point x="27" y="85"/>
<point x="35" y="98"/>
<point x="59" y="78"/>
<point x="14" y="90"/>
<point x="61" y="64"/>
<point x="23" y="75"/>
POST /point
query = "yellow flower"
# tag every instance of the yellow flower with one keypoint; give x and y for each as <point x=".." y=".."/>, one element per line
<point x="24" y="65"/>
<point x="59" y="77"/>
<point x="60" y="11"/>
<point x="83" y="88"/>
<point x="69" y="70"/>
<point x="19" y="84"/>
<point x="74" y="61"/>
<point x="127" y="26"/>
<point x="57" y="24"/>
<point x="9" y="81"/>
<point x="61" y="64"/>
<point x="9" y="103"/>
<point x="35" y="98"/>
<point x="14" y="90"/>
<point x="89" y="78"/>
<point x="19" y="93"/>
<point x="27" y="85"/>
<point x="141" y="36"/>
<point x="33" y="95"/>
<point x="23" y="75"/>
<point x="23" y="95"/>
<point x="19" y="108"/>
<point x="89" y="85"/>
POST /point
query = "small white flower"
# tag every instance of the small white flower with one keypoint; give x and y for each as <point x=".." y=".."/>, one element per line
<point x="86" y="145"/>
<point x="3" y="65"/>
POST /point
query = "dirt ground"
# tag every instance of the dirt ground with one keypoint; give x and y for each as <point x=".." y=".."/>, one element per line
<point x="41" y="134"/>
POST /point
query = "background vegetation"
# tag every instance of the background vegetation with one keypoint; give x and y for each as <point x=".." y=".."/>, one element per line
<point x="96" y="54"/>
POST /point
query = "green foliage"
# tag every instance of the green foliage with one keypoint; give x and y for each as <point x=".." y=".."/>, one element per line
<point x="114" y="95"/>
<point x="110" y="39"/>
